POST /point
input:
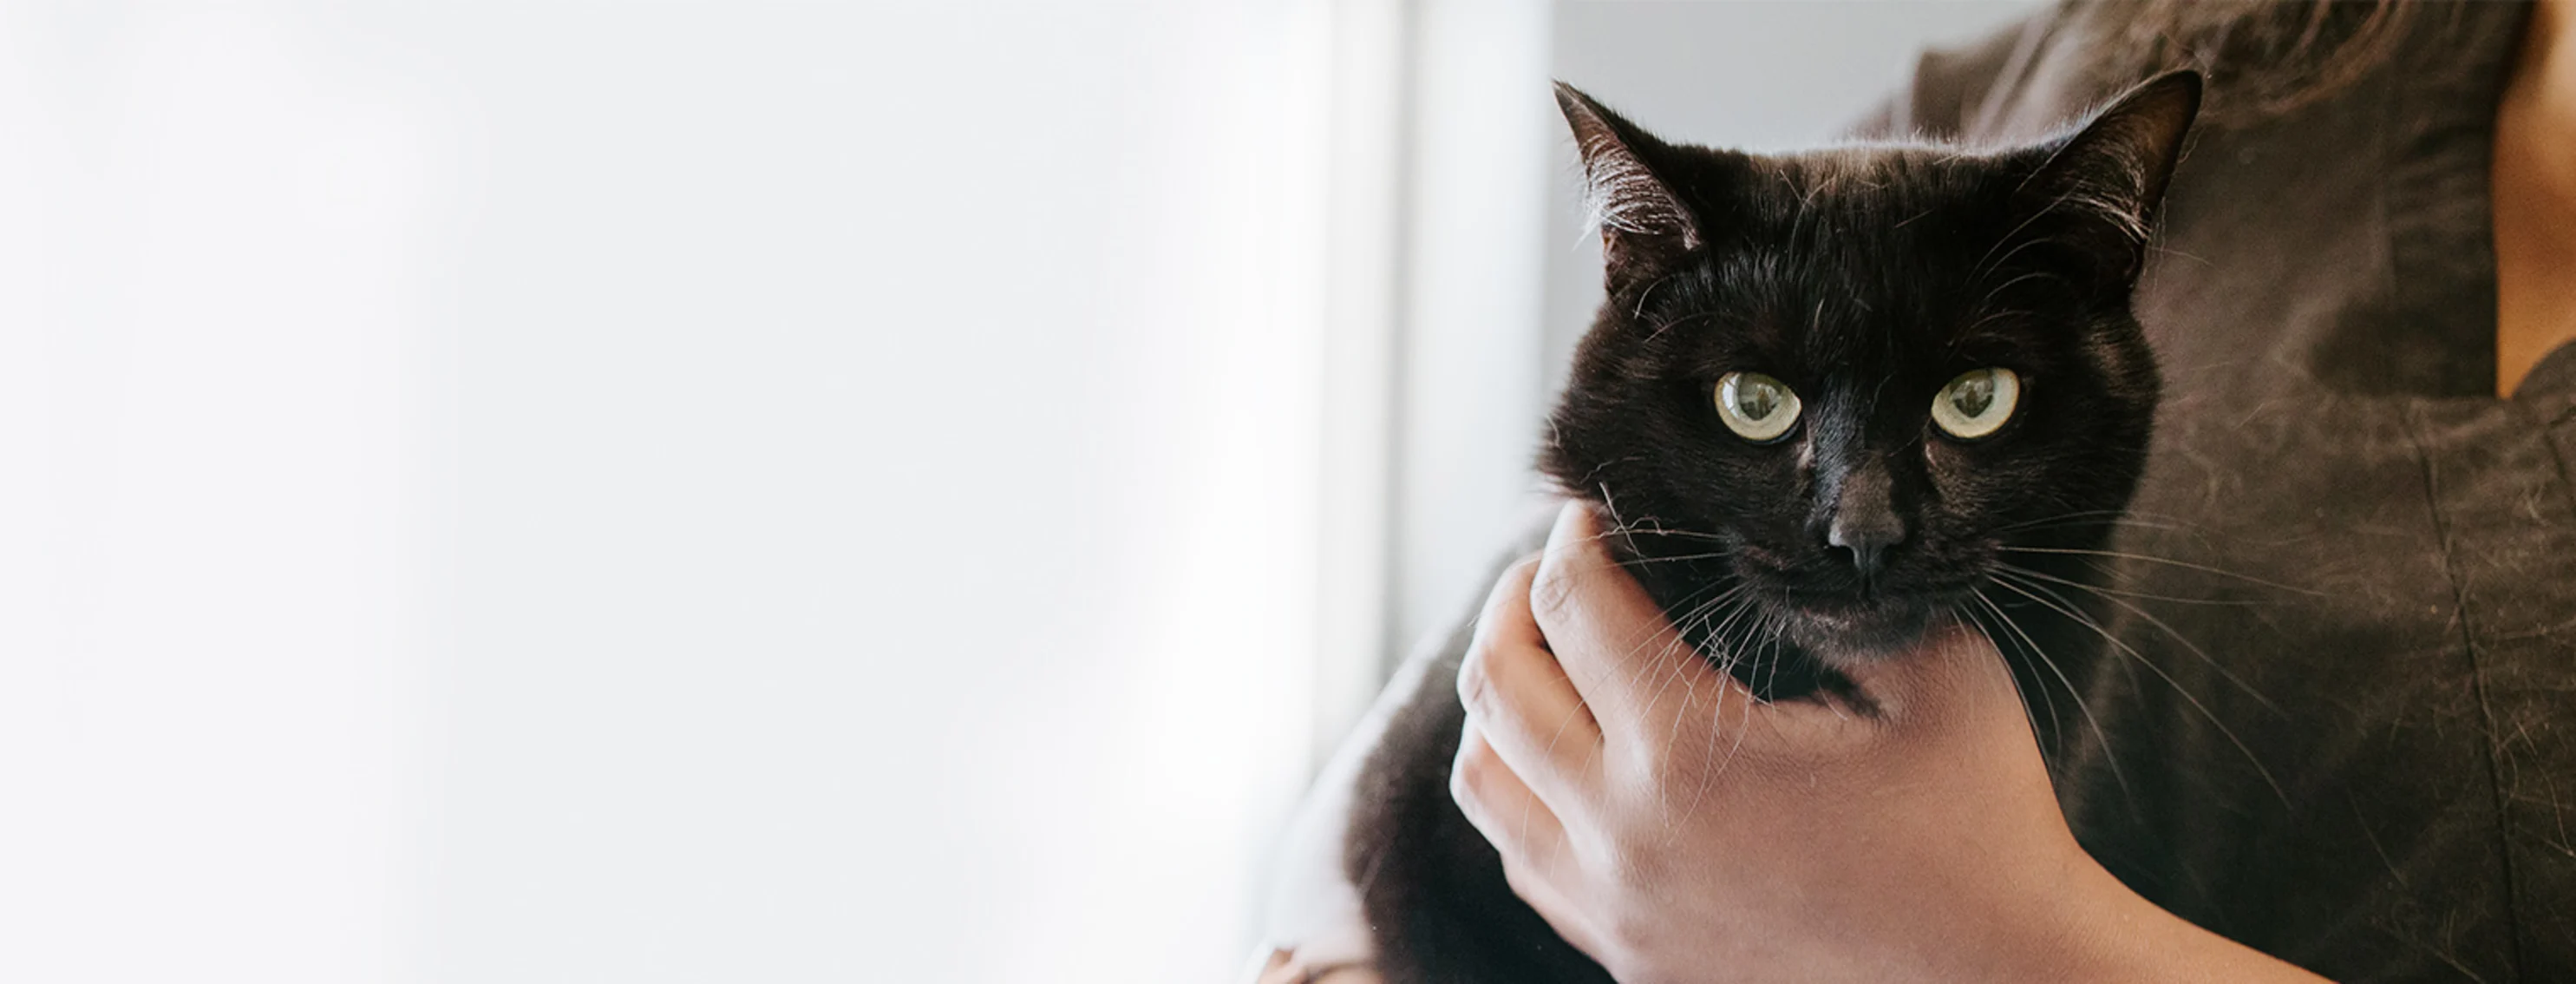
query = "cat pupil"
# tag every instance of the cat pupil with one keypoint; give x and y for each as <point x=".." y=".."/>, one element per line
<point x="1757" y="401"/>
<point x="1974" y="395"/>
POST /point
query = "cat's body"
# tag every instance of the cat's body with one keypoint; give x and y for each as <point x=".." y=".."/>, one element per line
<point x="1832" y="399"/>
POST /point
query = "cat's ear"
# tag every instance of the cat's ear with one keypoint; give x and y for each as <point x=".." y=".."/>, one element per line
<point x="1642" y="221"/>
<point x="2100" y="186"/>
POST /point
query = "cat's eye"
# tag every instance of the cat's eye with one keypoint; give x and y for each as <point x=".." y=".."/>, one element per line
<point x="1756" y="407"/>
<point x="1977" y="403"/>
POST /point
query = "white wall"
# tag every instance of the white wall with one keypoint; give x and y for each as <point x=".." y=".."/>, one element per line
<point x="887" y="508"/>
<point x="1473" y="330"/>
<point x="689" y="492"/>
<point x="217" y="254"/>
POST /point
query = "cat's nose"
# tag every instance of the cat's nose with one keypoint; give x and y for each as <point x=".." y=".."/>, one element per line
<point x="1865" y="523"/>
<point x="1866" y="543"/>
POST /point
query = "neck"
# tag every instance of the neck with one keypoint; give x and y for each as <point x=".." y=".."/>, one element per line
<point x="2534" y="187"/>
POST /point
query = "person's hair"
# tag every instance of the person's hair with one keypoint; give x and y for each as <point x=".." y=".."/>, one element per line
<point x="2263" y="57"/>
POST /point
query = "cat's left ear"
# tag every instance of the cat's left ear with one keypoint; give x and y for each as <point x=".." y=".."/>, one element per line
<point x="2105" y="180"/>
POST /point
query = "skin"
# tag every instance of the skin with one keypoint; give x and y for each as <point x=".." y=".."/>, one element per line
<point x="2534" y="182"/>
<point x="1916" y="838"/>
<point x="1571" y="764"/>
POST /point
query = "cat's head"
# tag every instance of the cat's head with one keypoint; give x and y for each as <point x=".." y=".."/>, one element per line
<point x="1853" y="381"/>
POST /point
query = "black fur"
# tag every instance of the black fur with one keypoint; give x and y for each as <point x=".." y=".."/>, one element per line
<point x="1866" y="278"/>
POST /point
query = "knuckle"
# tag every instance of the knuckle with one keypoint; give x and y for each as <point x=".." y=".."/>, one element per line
<point x="1524" y="882"/>
<point x="1515" y="581"/>
<point x="1475" y="680"/>
<point x="1627" y="865"/>
<point x="1551" y="594"/>
<point x="1649" y="758"/>
<point x="1483" y="765"/>
<point x="1638" y="809"/>
<point x="1473" y="770"/>
<point x="1636" y="929"/>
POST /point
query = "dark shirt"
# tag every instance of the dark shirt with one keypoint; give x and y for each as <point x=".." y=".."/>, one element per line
<point x="2341" y="713"/>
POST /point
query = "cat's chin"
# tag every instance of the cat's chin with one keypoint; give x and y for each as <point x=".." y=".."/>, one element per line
<point x="1845" y="636"/>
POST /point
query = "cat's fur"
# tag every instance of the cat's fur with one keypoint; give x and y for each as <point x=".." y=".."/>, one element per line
<point x="1866" y="277"/>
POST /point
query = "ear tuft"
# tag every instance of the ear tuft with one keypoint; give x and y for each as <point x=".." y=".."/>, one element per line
<point x="1640" y="217"/>
<point x="2111" y="173"/>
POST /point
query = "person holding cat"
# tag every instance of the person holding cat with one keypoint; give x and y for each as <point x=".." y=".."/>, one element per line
<point x="2331" y="726"/>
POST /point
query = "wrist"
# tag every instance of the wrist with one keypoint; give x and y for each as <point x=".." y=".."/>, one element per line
<point x="2116" y="934"/>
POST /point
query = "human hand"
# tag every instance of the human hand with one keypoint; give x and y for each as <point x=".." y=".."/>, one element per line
<point x="1677" y="829"/>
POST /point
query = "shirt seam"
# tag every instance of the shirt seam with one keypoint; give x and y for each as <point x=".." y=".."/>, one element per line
<point x="2477" y="684"/>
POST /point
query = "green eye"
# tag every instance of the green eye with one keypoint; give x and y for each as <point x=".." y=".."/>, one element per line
<point x="1756" y="407"/>
<point x="1977" y="403"/>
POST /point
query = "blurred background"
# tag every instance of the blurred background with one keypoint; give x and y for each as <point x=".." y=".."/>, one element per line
<point x="761" y="491"/>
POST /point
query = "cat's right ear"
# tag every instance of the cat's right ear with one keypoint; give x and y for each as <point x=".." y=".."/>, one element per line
<point x="2100" y="186"/>
<point x="1643" y="224"/>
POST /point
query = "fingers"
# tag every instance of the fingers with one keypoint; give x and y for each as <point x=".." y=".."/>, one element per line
<point x="1537" y="857"/>
<point x="1511" y="685"/>
<point x="1614" y="643"/>
<point x="1497" y="802"/>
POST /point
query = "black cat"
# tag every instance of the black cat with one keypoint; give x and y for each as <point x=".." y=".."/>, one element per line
<point x="1832" y="399"/>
